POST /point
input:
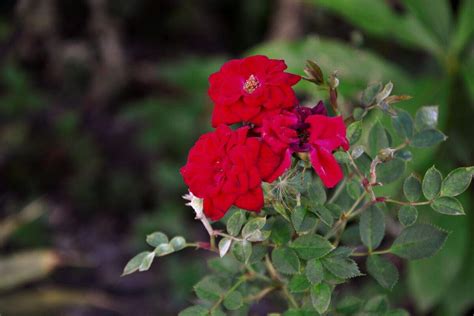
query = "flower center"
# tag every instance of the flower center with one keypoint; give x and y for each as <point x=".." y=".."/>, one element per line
<point x="251" y="84"/>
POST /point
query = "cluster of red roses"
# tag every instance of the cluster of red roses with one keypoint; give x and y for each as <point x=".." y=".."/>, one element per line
<point x="226" y="167"/>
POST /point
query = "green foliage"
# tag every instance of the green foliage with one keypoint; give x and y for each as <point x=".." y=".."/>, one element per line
<point x="418" y="241"/>
<point x="303" y="243"/>
<point x="314" y="271"/>
<point x="372" y="227"/>
<point x="407" y="215"/>
<point x="456" y="182"/>
<point x="156" y="239"/>
<point x="285" y="260"/>
<point x="311" y="246"/>
<point x="432" y="183"/>
<point x="412" y="188"/>
<point x="382" y="270"/>
<point x="321" y="297"/>
<point x="242" y="250"/>
<point x="448" y="205"/>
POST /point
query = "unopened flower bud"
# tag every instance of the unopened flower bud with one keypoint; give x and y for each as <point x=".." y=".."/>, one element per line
<point x="385" y="154"/>
<point x="314" y="72"/>
<point x="333" y="81"/>
<point x="303" y="156"/>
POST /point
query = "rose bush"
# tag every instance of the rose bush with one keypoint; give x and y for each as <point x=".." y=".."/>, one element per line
<point x="308" y="232"/>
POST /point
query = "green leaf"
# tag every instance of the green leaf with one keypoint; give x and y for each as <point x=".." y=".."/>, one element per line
<point x="156" y="239"/>
<point x="354" y="132"/>
<point x="377" y="305"/>
<point x="435" y="16"/>
<point x="355" y="67"/>
<point x="233" y="301"/>
<point x="397" y="312"/>
<point x="281" y="231"/>
<point x="235" y="223"/>
<point x="178" y="243"/>
<point x="311" y="246"/>
<point x="194" y="311"/>
<point x="258" y="252"/>
<point x="407" y="215"/>
<point x="285" y="260"/>
<point x="305" y="311"/>
<point x="431" y="185"/>
<point x="252" y="230"/>
<point x="372" y="227"/>
<point x="224" y="246"/>
<point x="378" y="139"/>
<point x="342" y="267"/>
<point x="323" y="214"/>
<point x="383" y="271"/>
<point x="359" y="113"/>
<point x="464" y="27"/>
<point x="456" y="182"/>
<point x="354" y="189"/>
<point x="418" y="241"/>
<point x="390" y="171"/>
<point x="403" y="124"/>
<point x="427" y="138"/>
<point x="316" y="192"/>
<point x="454" y="274"/>
<point x="369" y="94"/>
<point x="380" y="19"/>
<point x="314" y="271"/>
<point x="242" y="250"/>
<point x="404" y="154"/>
<point x="134" y="263"/>
<point x="163" y="250"/>
<point x="341" y="157"/>
<point x="349" y="305"/>
<point x="298" y="283"/>
<point x="412" y="188"/>
<point x="447" y="205"/>
<point x="426" y="118"/>
<point x="146" y="262"/>
<point x="302" y="220"/>
<point x="227" y="266"/>
<point x="209" y="289"/>
<point x="321" y="297"/>
<point x="280" y="209"/>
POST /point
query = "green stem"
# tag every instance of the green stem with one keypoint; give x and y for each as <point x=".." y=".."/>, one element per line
<point x="241" y="280"/>
<point x="364" y="254"/>
<point x="344" y="217"/>
<point x="338" y="191"/>
<point x="260" y="295"/>
<point x="276" y="277"/>
<point x="408" y="203"/>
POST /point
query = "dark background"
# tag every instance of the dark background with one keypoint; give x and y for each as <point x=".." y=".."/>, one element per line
<point x="101" y="100"/>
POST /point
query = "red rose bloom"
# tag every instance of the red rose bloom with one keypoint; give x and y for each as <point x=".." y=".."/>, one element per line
<point x="307" y="130"/>
<point x="245" y="90"/>
<point x="226" y="168"/>
<point x="326" y="134"/>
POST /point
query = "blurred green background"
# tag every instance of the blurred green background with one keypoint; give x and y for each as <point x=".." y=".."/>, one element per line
<point x="101" y="100"/>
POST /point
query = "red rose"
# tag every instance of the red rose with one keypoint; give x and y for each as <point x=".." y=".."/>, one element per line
<point x="278" y="133"/>
<point x="245" y="90"/>
<point x="226" y="168"/>
<point x="326" y="134"/>
<point x="306" y="130"/>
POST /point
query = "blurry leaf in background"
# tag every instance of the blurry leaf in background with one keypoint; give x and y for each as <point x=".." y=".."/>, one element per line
<point x="378" y="19"/>
<point x="9" y="225"/>
<point x="355" y="67"/>
<point x="27" y="266"/>
<point x="52" y="301"/>
<point x="430" y="279"/>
